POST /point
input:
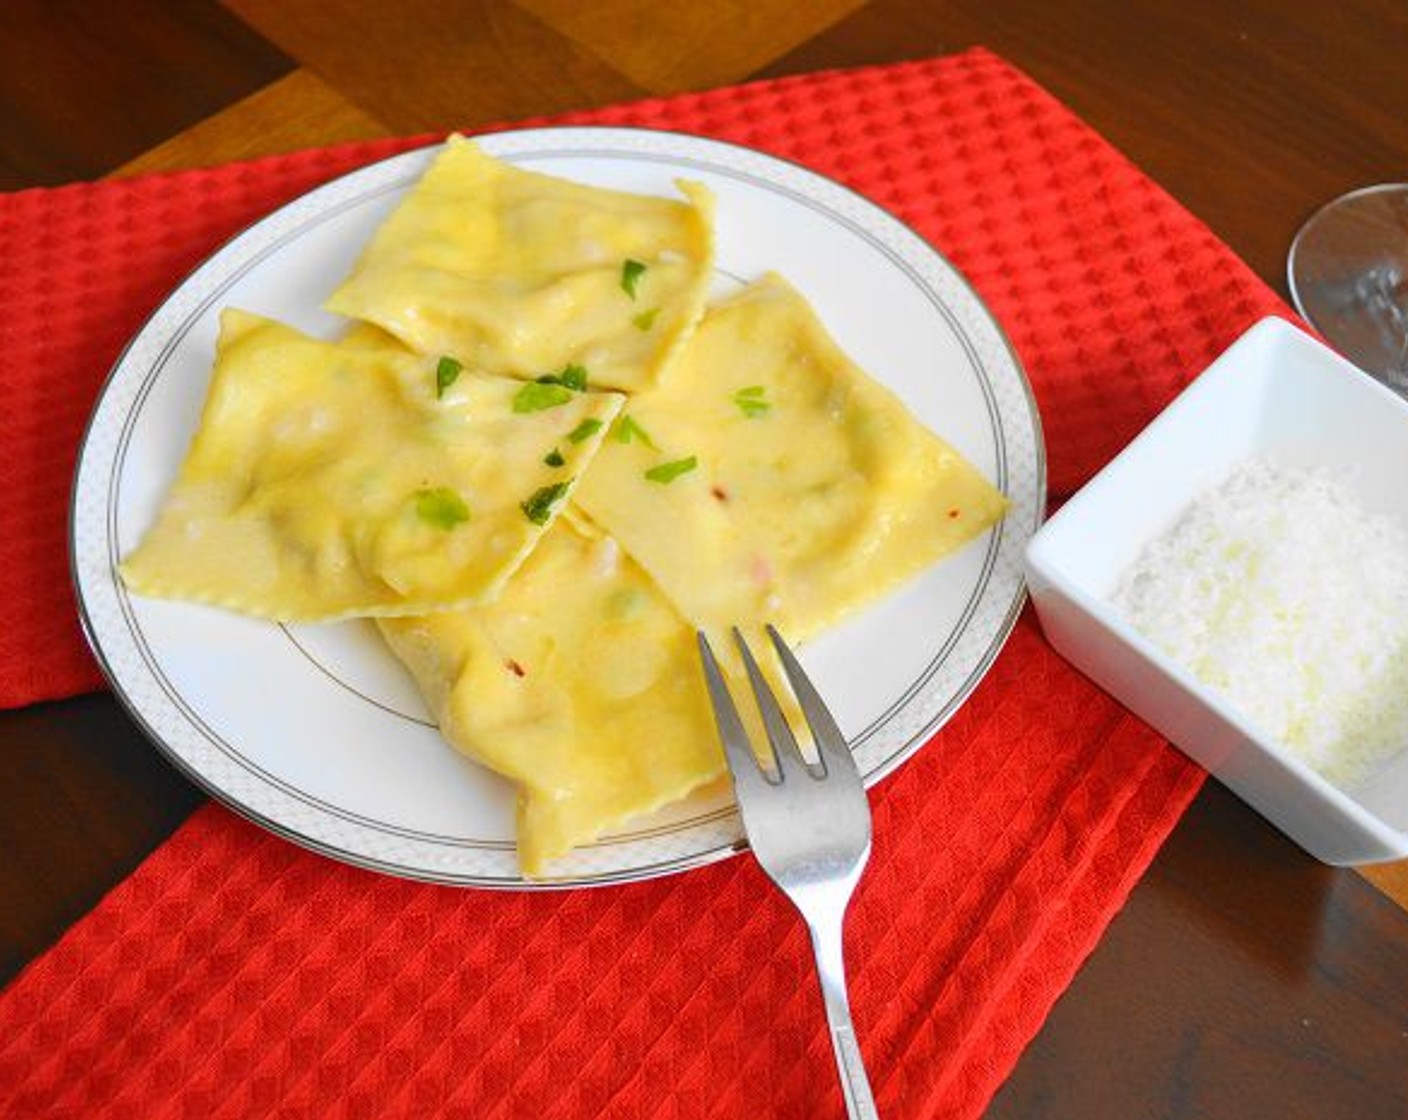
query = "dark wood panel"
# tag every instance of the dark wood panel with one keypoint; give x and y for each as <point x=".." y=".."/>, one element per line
<point x="86" y="84"/>
<point x="85" y="797"/>
<point x="297" y="111"/>
<point x="438" y="64"/>
<point x="1251" y="114"/>
<point x="1246" y="980"/>
<point x="666" y="48"/>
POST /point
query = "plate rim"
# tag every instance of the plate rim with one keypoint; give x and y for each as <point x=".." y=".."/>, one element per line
<point x="636" y="872"/>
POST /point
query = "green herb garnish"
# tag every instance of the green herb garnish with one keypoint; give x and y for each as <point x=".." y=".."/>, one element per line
<point x="537" y="508"/>
<point x="668" y="472"/>
<point x="585" y="430"/>
<point x="554" y="458"/>
<point x="646" y="319"/>
<point x="631" y="273"/>
<point x="571" y="376"/>
<point x="536" y="396"/>
<point x="441" y="507"/>
<point x="752" y="401"/>
<point x="446" y="370"/>
<point x="627" y="429"/>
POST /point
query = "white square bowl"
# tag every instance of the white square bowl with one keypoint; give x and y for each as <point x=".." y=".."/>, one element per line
<point x="1278" y="392"/>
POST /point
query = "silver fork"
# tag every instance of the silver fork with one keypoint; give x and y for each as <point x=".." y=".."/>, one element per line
<point x="809" y="827"/>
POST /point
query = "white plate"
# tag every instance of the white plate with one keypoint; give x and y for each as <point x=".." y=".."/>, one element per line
<point x="316" y="733"/>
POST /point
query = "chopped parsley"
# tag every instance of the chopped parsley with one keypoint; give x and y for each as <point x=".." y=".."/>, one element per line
<point x="441" y="507"/>
<point x="631" y="272"/>
<point x="646" y="319"/>
<point x="446" y="370"/>
<point x="571" y="376"/>
<point x="538" y="507"/>
<point x="668" y="472"/>
<point x="585" y="430"/>
<point x="554" y="458"/>
<point x="752" y="401"/>
<point x="627" y="429"/>
<point x="536" y="396"/>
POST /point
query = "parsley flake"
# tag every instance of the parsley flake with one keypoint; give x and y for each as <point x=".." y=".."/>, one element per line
<point x="571" y="376"/>
<point x="631" y="273"/>
<point x="554" y="458"/>
<point x="752" y="401"/>
<point x="585" y="430"/>
<point x="446" y="370"/>
<point x="536" y="396"/>
<point x="539" y="506"/>
<point x="441" y="507"/>
<point x="646" y="319"/>
<point x="668" y="472"/>
<point x="627" y="429"/>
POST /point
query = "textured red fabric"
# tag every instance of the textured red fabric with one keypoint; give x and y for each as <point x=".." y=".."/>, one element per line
<point x="234" y="974"/>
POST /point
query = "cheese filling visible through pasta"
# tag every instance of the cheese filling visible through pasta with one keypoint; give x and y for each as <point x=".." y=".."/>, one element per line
<point x="769" y="479"/>
<point x="332" y="480"/>
<point x="518" y="273"/>
<point x="580" y="683"/>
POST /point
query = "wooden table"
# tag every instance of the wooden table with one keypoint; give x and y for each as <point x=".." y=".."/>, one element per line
<point x="1242" y="979"/>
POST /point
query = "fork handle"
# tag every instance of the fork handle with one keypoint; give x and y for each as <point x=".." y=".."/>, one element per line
<point x="831" y="969"/>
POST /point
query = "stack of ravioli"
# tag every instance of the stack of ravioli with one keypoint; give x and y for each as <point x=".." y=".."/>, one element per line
<point x="541" y="463"/>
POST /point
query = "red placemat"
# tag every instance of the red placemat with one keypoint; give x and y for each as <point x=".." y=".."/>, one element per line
<point x="234" y="974"/>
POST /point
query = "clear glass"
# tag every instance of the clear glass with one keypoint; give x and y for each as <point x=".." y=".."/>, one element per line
<point x="1348" y="275"/>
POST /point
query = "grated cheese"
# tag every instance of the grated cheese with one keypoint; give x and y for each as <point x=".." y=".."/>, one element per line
<point x="1279" y="591"/>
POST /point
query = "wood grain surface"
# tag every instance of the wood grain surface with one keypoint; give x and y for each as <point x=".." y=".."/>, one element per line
<point x="1243" y="978"/>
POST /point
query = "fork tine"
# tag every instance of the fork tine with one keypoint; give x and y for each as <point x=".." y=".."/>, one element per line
<point x="742" y="762"/>
<point x="787" y="756"/>
<point x="830" y="743"/>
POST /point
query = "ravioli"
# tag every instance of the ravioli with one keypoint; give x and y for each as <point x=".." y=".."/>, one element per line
<point x="769" y="479"/>
<point x="581" y="684"/>
<point x="368" y="336"/>
<point x="518" y="273"/>
<point x="328" y="480"/>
